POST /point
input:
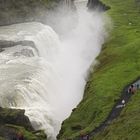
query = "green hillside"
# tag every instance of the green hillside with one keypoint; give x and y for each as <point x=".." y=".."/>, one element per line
<point x="119" y="66"/>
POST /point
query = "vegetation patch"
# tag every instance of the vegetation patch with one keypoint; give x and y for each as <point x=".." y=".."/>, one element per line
<point x="119" y="66"/>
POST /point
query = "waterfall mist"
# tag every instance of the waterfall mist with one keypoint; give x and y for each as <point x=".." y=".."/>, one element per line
<point x="49" y="85"/>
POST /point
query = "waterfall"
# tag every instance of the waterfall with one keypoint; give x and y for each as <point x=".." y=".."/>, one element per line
<point x="49" y="85"/>
<point x="27" y="82"/>
<point x="68" y="3"/>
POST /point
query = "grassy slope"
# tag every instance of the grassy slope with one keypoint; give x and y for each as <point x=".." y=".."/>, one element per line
<point x="127" y="126"/>
<point x="119" y="65"/>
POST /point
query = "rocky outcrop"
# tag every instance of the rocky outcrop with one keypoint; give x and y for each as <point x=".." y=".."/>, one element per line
<point x="15" y="117"/>
<point x="93" y="4"/>
<point x="6" y="44"/>
<point x="13" y="122"/>
<point x="26" y="52"/>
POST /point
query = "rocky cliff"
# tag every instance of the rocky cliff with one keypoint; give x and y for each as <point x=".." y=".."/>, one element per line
<point x="17" y="11"/>
<point x="93" y="4"/>
<point x="13" y="122"/>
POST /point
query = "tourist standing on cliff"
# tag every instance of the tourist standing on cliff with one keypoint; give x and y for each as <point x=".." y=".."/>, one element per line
<point x="20" y="136"/>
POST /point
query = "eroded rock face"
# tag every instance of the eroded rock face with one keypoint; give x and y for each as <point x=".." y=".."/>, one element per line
<point x="9" y="117"/>
<point x="18" y="11"/>
<point x="25" y="52"/>
<point x="15" y="117"/>
<point x="93" y="4"/>
<point x="13" y="122"/>
<point x="6" y="44"/>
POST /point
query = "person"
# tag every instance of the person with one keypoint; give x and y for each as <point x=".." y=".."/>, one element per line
<point x="129" y="90"/>
<point x="20" y="136"/>
<point x="132" y="89"/>
<point x="86" y="137"/>
<point x="123" y="103"/>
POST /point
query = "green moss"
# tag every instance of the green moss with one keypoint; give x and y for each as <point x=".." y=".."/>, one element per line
<point x="28" y="135"/>
<point x="13" y="121"/>
<point x="119" y="65"/>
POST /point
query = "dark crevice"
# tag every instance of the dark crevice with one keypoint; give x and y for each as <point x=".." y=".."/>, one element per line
<point x="97" y="4"/>
<point x="7" y="44"/>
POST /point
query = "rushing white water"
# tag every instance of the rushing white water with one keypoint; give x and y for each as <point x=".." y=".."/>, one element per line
<point x="50" y="85"/>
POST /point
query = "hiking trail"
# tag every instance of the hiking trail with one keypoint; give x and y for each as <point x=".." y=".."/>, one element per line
<point x="116" y="110"/>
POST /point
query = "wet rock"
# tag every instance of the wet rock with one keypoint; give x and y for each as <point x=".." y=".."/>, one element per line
<point x="94" y="4"/>
<point x="19" y="11"/>
<point x="15" y="117"/>
<point x="13" y="122"/>
<point x="6" y="44"/>
<point x="25" y="52"/>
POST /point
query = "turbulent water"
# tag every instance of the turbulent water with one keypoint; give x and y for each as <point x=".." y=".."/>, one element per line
<point x="49" y="85"/>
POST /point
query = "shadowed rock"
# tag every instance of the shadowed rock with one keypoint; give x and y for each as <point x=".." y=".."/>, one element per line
<point x="19" y="11"/>
<point x="14" y="121"/>
<point x="16" y="117"/>
<point x="94" y="4"/>
<point x="26" y="52"/>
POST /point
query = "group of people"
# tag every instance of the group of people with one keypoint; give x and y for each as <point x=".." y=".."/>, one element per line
<point x="133" y="88"/>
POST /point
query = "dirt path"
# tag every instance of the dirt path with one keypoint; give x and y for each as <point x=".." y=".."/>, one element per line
<point x="116" y="110"/>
